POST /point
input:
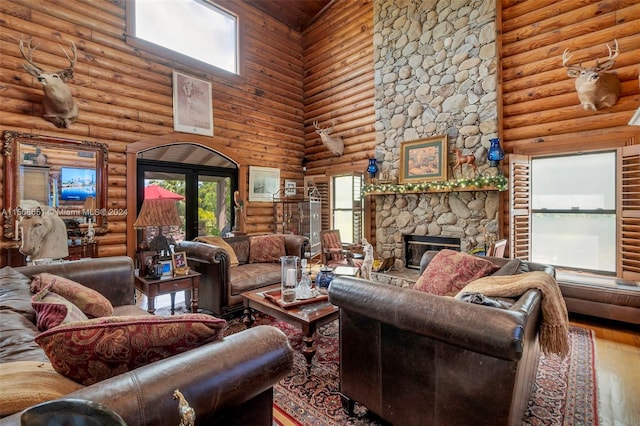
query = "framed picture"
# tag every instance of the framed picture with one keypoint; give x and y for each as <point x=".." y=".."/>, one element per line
<point x="263" y="183"/>
<point x="179" y="261"/>
<point x="423" y="160"/>
<point x="290" y="187"/>
<point x="192" y="105"/>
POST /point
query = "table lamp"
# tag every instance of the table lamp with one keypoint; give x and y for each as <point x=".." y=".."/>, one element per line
<point x="156" y="213"/>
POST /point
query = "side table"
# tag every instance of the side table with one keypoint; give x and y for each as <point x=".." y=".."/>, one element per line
<point x="170" y="284"/>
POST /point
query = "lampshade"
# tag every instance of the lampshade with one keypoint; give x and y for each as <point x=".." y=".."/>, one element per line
<point x="158" y="212"/>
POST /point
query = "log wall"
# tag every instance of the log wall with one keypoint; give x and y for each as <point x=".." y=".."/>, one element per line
<point x="540" y="110"/>
<point x="339" y="90"/>
<point x="125" y="95"/>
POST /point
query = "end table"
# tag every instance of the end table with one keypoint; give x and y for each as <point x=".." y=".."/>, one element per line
<point x="170" y="284"/>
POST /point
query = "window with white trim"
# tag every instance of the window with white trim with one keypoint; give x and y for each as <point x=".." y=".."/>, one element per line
<point x="560" y="210"/>
<point x="347" y="207"/>
<point x="193" y="28"/>
<point x="573" y="211"/>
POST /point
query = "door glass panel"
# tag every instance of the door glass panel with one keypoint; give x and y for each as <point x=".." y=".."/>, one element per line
<point x="214" y="205"/>
<point x="166" y="185"/>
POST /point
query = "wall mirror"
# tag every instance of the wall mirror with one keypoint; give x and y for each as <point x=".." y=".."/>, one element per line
<point x="66" y="174"/>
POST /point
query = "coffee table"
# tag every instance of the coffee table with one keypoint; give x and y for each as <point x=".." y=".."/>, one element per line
<point x="307" y="317"/>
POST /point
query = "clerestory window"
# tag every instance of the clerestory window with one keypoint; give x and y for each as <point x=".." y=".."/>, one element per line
<point x="193" y="28"/>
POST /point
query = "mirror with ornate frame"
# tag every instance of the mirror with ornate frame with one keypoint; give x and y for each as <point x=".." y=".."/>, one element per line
<point x="66" y="174"/>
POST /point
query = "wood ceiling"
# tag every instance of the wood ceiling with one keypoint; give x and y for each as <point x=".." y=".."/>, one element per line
<point x="296" y="14"/>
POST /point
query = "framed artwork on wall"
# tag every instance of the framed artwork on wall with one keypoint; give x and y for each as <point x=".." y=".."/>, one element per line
<point x="289" y="187"/>
<point x="192" y="105"/>
<point x="263" y="183"/>
<point x="423" y="160"/>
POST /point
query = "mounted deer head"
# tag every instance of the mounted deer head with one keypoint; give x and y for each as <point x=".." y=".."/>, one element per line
<point x="59" y="106"/>
<point x="333" y="143"/>
<point x="596" y="89"/>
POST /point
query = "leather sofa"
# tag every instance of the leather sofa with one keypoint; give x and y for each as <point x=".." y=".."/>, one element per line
<point x="415" y="358"/>
<point x="229" y="381"/>
<point x="221" y="284"/>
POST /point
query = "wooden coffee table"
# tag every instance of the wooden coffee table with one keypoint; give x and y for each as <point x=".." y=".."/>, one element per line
<point x="307" y="317"/>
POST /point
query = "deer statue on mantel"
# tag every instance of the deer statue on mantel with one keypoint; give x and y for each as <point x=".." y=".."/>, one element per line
<point x="59" y="106"/>
<point x="596" y="88"/>
<point x="333" y="143"/>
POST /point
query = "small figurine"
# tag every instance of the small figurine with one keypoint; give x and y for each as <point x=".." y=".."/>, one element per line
<point x="187" y="414"/>
<point x="367" y="264"/>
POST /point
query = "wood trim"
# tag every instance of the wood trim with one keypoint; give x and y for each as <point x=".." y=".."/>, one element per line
<point x="628" y="212"/>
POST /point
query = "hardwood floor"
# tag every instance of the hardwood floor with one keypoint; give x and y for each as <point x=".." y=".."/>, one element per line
<point x="618" y="370"/>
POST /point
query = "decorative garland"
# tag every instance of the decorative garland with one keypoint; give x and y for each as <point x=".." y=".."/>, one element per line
<point x="498" y="182"/>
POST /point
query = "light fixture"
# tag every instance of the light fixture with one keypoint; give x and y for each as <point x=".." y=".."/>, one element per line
<point x="495" y="154"/>
<point x="156" y="213"/>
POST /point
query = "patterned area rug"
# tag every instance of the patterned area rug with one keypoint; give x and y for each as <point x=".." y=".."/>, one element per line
<point x="564" y="392"/>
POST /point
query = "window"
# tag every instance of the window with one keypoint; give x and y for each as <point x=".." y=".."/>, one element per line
<point x="573" y="211"/>
<point x="192" y="28"/>
<point x="593" y="202"/>
<point x="346" y="207"/>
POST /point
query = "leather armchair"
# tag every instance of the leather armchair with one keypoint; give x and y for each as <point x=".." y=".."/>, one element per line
<point x="415" y="358"/>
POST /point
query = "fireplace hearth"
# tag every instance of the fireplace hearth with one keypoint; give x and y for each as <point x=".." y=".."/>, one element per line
<point x="416" y="245"/>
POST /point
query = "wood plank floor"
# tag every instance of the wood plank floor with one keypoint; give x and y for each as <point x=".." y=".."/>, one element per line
<point x="618" y="370"/>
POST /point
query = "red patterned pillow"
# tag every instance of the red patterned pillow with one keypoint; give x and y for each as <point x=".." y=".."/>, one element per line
<point x="92" y="303"/>
<point x="99" y="348"/>
<point x="53" y="309"/>
<point x="449" y="271"/>
<point x="266" y="248"/>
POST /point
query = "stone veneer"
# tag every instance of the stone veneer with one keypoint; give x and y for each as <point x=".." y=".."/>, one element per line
<point x="435" y="74"/>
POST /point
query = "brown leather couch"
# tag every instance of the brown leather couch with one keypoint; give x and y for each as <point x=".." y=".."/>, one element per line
<point x="221" y="284"/>
<point x="228" y="382"/>
<point x="415" y="358"/>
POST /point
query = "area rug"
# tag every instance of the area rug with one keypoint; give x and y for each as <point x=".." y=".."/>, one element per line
<point x="564" y="392"/>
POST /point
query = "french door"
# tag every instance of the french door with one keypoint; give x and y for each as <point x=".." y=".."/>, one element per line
<point x="207" y="195"/>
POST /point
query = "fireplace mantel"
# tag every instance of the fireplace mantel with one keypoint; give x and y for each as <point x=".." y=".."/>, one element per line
<point x="480" y="183"/>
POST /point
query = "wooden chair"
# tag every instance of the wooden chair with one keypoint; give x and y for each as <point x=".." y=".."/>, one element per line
<point x="335" y="252"/>
<point x="497" y="250"/>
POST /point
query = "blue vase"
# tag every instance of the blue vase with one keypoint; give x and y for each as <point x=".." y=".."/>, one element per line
<point x="495" y="154"/>
<point x="372" y="168"/>
<point x="324" y="278"/>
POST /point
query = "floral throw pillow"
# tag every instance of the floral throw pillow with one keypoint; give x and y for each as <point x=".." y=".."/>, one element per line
<point x="53" y="310"/>
<point x="92" y="303"/>
<point x="266" y="248"/>
<point x="449" y="271"/>
<point x="96" y="349"/>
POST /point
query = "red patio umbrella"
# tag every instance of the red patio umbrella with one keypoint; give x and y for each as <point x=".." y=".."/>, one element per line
<point x="153" y="192"/>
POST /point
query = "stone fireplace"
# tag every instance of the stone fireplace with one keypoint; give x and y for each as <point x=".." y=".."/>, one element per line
<point x="435" y="74"/>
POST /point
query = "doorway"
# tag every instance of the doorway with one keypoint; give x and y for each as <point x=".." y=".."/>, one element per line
<point x="203" y="191"/>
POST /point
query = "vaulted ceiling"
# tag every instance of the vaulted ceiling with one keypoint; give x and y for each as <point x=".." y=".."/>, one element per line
<point x="296" y="14"/>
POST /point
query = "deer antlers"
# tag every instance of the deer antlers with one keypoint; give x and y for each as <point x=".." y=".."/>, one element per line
<point x="611" y="59"/>
<point x="28" y="56"/>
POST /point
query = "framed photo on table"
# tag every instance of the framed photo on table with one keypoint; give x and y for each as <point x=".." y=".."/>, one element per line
<point x="179" y="263"/>
<point x="263" y="183"/>
<point x="423" y="160"/>
<point x="192" y="105"/>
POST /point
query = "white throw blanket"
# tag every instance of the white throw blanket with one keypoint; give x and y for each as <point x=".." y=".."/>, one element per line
<point x="554" y="330"/>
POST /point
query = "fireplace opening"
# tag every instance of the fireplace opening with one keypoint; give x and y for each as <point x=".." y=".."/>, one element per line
<point x="416" y="245"/>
